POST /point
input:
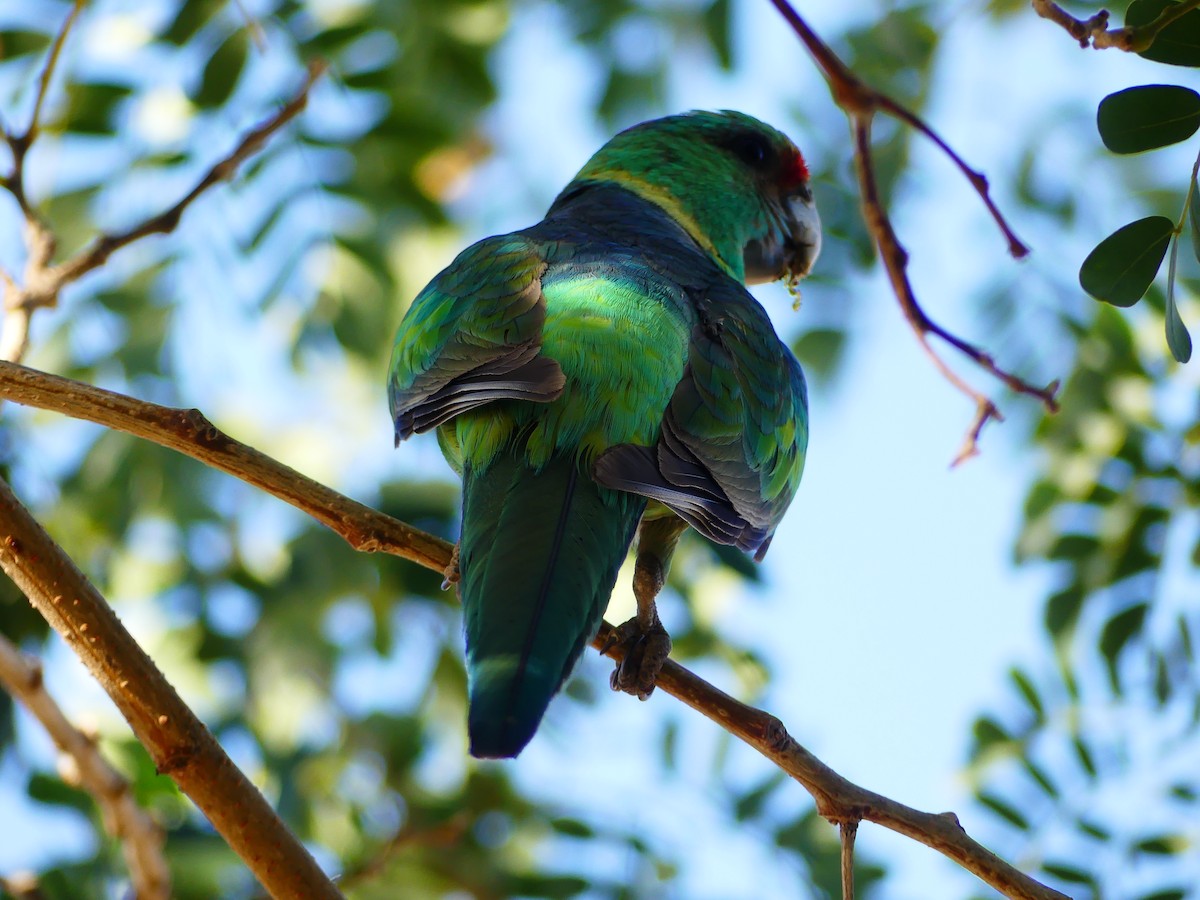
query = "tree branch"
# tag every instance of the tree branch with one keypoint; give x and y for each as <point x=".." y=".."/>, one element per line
<point x="140" y="836"/>
<point x="44" y="282"/>
<point x="190" y="433"/>
<point x="838" y="800"/>
<point x="1094" y="31"/>
<point x="860" y="102"/>
<point x="176" y="740"/>
<point x="847" y="831"/>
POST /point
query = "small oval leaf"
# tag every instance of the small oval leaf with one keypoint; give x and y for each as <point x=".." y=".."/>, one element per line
<point x="1147" y="117"/>
<point x="1123" y="265"/>
<point x="1176" y="45"/>
<point x="222" y="71"/>
<point x="1178" y="339"/>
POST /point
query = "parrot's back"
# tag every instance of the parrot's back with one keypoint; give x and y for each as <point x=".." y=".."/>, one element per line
<point x="542" y="541"/>
<point x="573" y="370"/>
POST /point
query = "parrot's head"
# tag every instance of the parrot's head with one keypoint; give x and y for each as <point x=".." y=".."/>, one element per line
<point x="738" y="186"/>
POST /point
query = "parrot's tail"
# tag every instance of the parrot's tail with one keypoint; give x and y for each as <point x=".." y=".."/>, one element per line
<point x="539" y="556"/>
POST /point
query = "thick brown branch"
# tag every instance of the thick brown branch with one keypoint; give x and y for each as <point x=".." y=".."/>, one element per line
<point x="176" y="740"/>
<point x="860" y="102"/>
<point x="189" y="432"/>
<point x="141" y="838"/>
<point x="837" y="799"/>
<point x="1094" y="31"/>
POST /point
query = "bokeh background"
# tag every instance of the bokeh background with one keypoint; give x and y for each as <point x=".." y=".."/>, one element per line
<point x="1012" y="639"/>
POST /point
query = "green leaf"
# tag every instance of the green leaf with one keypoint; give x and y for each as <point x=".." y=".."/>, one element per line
<point x="717" y="20"/>
<point x="1194" y="217"/>
<point x="1122" y="267"/>
<point x="53" y="791"/>
<point x="1170" y="894"/>
<point x="16" y="43"/>
<point x="1025" y="685"/>
<point x="750" y="805"/>
<point x="572" y="827"/>
<point x="1039" y="776"/>
<point x="192" y="16"/>
<point x="90" y="106"/>
<point x="989" y="733"/>
<point x="1176" y="45"/>
<point x="1062" y="611"/>
<point x="820" y="350"/>
<point x="1119" y="631"/>
<point x="1161" y="845"/>
<point x="1004" y="810"/>
<point x="1147" y="117"/>
<point x="1067" y="873"/>
<point x="1091" y="829"/>
<point x="1084" y="755"/>
<point x="1178" y="339"/>
<point x="223" y="69"/>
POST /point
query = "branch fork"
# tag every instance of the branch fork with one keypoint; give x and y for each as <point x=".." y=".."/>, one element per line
<point x="861" y="102"/>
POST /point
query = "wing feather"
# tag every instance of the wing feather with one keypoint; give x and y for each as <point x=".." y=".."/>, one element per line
<point x="733" y="439"/>
<point x="474" y="335"/>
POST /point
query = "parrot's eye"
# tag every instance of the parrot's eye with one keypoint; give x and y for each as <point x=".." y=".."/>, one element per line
<point x="752" y="149"/>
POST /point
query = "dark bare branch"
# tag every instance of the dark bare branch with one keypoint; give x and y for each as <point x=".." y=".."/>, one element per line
<point x="860" y="102"/>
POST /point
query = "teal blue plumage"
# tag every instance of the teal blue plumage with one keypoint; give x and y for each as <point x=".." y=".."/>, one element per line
<point x="573" y="370"/>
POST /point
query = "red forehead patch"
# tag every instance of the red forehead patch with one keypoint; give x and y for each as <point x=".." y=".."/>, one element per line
<point x="795" y="170"/>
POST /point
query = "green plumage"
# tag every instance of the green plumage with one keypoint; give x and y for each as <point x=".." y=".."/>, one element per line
<point x="607" y="355"/>
<point x="520" y="650"/>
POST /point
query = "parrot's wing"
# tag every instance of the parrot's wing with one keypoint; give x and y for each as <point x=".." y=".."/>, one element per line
<point x="472" y="336"/>
<point x="734" y="435"/>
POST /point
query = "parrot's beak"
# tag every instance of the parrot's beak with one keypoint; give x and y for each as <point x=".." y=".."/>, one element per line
<point x="790" y="251"/>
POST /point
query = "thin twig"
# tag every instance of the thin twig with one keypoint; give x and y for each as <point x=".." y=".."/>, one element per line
<point x="860" y="102"/>
<point x="176" y="740"/>
<point x="103" y="247"/>
<point x="19" y="302"/>
<point x="44" y="282"/>
<point x="186" y="431"/>
<point x="846" y="834"/>
<point x="140" y="836"/>
<point x="1094" y="31"/>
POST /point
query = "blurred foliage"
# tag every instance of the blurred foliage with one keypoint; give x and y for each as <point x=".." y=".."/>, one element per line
<point x="271" y="626"/>
<point x="266" y="622"/>
<point x="1086" y="768"/>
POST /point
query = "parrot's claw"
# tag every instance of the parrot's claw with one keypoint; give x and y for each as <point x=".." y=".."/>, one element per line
<point x="451" y="575"/>
<point x="646" y="652"/>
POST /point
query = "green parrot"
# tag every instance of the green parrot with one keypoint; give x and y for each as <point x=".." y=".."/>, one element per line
<point x="604" y="368"/>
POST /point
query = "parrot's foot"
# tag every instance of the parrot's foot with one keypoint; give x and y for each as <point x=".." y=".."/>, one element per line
<point x="646" y="652"/>
<point x="451" y="575"/>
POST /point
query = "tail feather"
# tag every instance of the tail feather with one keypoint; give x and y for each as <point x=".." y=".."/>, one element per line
<point x="540" y="553"/>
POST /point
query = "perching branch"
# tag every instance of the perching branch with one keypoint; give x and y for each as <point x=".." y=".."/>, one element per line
<point x="179" y="743"/>
<point x="860" y="102"/>
<point x="43" y="281"/>
<point x="188" y="432"/>
<point x="1094" y="31"/>
<point x="140" y="836"/>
